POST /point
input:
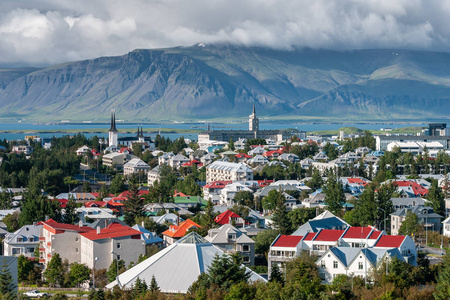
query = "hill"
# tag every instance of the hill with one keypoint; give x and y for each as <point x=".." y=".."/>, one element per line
<point x="223" y="81"/>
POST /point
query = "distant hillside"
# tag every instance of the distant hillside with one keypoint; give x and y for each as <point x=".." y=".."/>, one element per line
<point x="224" y="81"/>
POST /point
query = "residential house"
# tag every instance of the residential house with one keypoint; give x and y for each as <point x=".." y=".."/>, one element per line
<point x="403" y="243"/>
<point x="165" y="158"/>
<point x="23" y="241"/>
<point x="306" y="163"/>
<point x="116" y="159"/>
<point x="284" y="248"/>
<point x="290" y="157"/>
<point x="61" y="238"/>
<point x="242" y="157"/>
<point x="25" y="149"/>
<point x="227" y="171"/>
<point x="230" y="239"/>
<point x="425" y="214"/>
<point x="353" y="262"/>
<point x="258" y="160"/>
<point x="361" y="237"/>
<point x="153" y="175"/>
<point x="228" y="192"/>
<point x="149" y="238"/>
<point x="211" y="191"/>
<point x="318" y="243"/>
<point x="208" y="158"/>
<point x="446" y="227"/>
<point x="229" y="217"/>
<point x="400" y="203"/>
<point x="176" y="232"/>
<point x="135" y="165"/>
<point x="325" y="220"/>
<point x="361" y="151"/>
<point x="83" y="150"/>
<point x="113" y="242"/>
<point x="320" y="157"/>
<point x="177" y="161"/>
<point x="197" y="154"/>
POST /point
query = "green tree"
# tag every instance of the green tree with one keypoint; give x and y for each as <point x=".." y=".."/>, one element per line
<point x="70" y="213"/>
<point x="275" y="274"/>
<point x="334" y="195"/>
<point x="410" y="225"/>
<point x="443" y="280"/>
<point x="86" y="187"/>
<point x="134" y="204"/>
<point x="270" y="201"/>
<point x="231" y="144"/>
<point x="366" y="207"/>
<point x="436" y="198"/>
<point x="12" y="221"/>
<point x="79" y="273"/>
<point x="263" y="240"/>
<point x="244" y="198"/>
<point x="280" y="219"/>
<point x="117" y="185"/>
<point x="54" y="273"/>
<point x="300" y="216"/>
<point x="7" y="287"/>
<point x="24" y="267"/>
<point x="153" y="285"/>
<point x="316" y="180"/>
<point x="111" y="274"/>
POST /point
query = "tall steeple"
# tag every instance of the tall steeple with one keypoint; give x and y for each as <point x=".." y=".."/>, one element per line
<point x="113" y="132"/>
<point x="253" y="122"/>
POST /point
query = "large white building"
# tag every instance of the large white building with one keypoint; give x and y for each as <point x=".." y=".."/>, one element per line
<point x="228" y="171"/>
<point x="135" y="165"/>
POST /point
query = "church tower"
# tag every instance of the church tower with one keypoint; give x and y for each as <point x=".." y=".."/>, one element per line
<point x="113" y="131"/>
<point x="253" y="122"/>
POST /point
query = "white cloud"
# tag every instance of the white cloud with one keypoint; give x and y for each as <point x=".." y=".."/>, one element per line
<point x="53" y="31"/>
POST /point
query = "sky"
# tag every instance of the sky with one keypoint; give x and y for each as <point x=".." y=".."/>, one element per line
<point x="46" y="32"/>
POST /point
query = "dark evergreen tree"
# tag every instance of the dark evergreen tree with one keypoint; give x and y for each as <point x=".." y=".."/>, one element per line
<point x="334" y="195"/>
<point x="134" y="204"/>
<point x="7" y="287"/>
<point x="54" y="273"/>
<point x="276" y="275"/>
<point x="153" y="285"/>
<point x="436" y="198"/>
<point x="280" y="219"/>
<point x="117" y="185"/>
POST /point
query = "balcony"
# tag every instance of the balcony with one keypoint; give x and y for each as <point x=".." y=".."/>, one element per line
<point x="41" y="238"/>
<point x="41" y="249"/>
<point x="49" y="244"/>
<point x="42" y="260"/>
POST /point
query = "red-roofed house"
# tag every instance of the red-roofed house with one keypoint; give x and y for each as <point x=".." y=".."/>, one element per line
<point x="284" y="248"/>
<point x="191" y="163"/>
<point x="175" y="232"/>
<point x="179" y="194"/>
<point x="358" y="237"/>
<point x="95" y="204"/>
<point x="274" y="154"/>
<point x="229" y="217"/>
<point x="242" y="157"/>
<point x="211" y="191"/>
<point x="410" y="188"/>
<point x="403" y="243"/>
<point x="124" y="241"/>
<point x="125" y="150"/>
<point x="62" y="202"/>
<point x="60" y="238"/>
<point x="324" y="240"/>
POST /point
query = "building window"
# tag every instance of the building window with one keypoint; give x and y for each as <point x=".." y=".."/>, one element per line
<point x="246" y="259"/>
<point x="76" y="250"/>
<point x="335" y="264"/>
<point x="322" y="263"/>
<point x="118" y="257"/>
<point x="245" y="248"/>
<point x="360" y="265"/>
<point x="15" y="251"/>
<point x="19" y="240"/>
<point x="119" y="246"/>
<point x="30" y="250"/>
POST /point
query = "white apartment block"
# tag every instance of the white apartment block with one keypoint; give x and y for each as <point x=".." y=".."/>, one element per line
<point x="228" y="171"/>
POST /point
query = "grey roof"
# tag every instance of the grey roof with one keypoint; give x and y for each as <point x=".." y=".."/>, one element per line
<point x="228" y="166"/>
<point x="220" y="235"/>
<point x="421" y="211"/>
<point x="176" y="267"/>
<point x="103" y="223"/>
<point x="265" y="190"/>
<point x="408" y="201"/>
<point x="316" y="225"/>
<point x="26" y="233"/>
<point x="147" y="236"/>
<point x="347" y="255"/>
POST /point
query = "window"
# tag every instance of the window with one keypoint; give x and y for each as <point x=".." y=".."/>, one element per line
<point x="360" y="265"/>
<point x="31" y="239"/>
<point x="15" y="251"/>
<point x="119" y="246"/>
<point x="335" y="264"/>
<point x="246" y="259"/>
<point x="322" y="263"/>
<point x="30" y="250"/>
<point x="118" y="257"/>
<point x="19" y="239"/>
<point x="76" y="250"/>
<point x="245" y="248"/>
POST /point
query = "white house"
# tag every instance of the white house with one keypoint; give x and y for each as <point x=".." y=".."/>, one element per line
<point x="284" y="248"/>
<point x="403" y="243"/>
<point x="227" y="171"/>
<point x="23" y="241"/>
<point x="134" y="166"/>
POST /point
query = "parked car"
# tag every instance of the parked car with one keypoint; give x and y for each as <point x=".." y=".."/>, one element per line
<point x="35" y="294"/>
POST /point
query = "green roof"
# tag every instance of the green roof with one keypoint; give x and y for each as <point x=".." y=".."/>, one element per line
<point x="189" y="199"/>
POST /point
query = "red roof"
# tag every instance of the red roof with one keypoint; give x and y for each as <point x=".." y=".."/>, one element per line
<point x="390" y="241"/>
<point x="357" y="233"/>
<point x="417" y="188"/>
<point x="271" y="153"/>
<point x="63" y="202"/>
<point x="95" y="204"/>
<point x="217" y="184"/>
<point x="191" y="163"/>
<point x="328" y="235"/>
<point x="127" y="193"/>
<point x="95" y="152"/>
<point x="62" y="226"/>
<point x="374" y="235"/>
<point x="287" y="241"/>
<point x="265" y="182"/>
<point x="243" y="155"/>
<point x="179" y="194"/>
<point x="180" y="231"/>
<point x="114" y="230"/>
<point x="309" y="236"/>
<point x="357" y="181"/>
<point x="113" y="203"/>
<point x="224" y="218"/>
<point x="123" y="149"/>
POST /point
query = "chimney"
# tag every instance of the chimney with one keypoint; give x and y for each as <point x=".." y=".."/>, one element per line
<point x="80" y="223"/>
<point x="98" y="229"/>
<point x="178" y="220"/>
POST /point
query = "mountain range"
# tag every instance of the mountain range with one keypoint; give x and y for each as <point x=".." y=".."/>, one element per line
<point x="224" y="81"/>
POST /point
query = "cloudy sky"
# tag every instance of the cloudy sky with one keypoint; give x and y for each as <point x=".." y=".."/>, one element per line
<point x="52" y="31"/>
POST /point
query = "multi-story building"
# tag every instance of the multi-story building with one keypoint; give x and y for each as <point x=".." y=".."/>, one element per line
<point x="116" y="159"/>
<point x="135" y="165"/>
<point x="228" y="171"/>
<point x="23" y="241"/>
<point x="61" y="238"/>
<point x="425" y="214"/>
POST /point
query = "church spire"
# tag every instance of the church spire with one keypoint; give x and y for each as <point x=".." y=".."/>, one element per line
<point x="254" y="109"/>
<point x="113" y="122"/>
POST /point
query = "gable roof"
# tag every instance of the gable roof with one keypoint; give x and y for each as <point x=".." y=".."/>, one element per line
<point x="287" y="241"/>
<point x="357" y="233"/>
<point x="217" y="184"/>
<point x="390" y="241"/>
<point x="328" y="235"/>
<point x="62" y="226"/>
<point x="224" y="218"/>
<point x="310" y="236"/>
<point x="114" y="230"/>
<point x="180" y="230"/>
